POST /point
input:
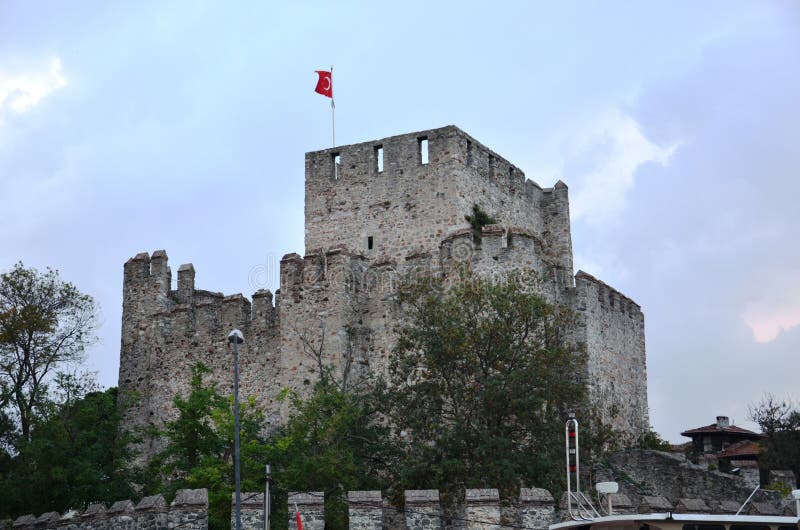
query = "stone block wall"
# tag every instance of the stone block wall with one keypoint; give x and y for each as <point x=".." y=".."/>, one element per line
<point x="482" y="509"/>
<point x="422" y="510"/>
<point x="166" y="332"/>
<point x="411" y="204"/>
<point x="252" y="511"/>
<point x="338" y="300"/>
<point x="643" y="474"/>
<point x="188" y="511"/>
<point x="611" y="325"/>
<point x="536" y="508"/>
<point x="311" y="507"/>
<point x="365" y="510"/>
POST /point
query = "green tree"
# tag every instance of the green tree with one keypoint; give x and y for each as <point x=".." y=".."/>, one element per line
<point x="45" y="324"/>
<point x="780" y="421"/>
<point x="333" y="442"/>
<point x="76" y="454"/>
<point x="480" y="381"/>
<point x="200" y="447"/>
<point x="652" y="440"/>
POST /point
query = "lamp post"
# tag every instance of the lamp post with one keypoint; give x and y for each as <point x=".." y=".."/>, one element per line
<point x="235" y="337"/>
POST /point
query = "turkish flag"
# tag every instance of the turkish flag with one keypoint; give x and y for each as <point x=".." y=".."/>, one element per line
<point x="324" y="83"/>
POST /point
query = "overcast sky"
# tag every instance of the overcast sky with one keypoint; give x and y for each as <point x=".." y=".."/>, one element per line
<point x="136" y="126"/>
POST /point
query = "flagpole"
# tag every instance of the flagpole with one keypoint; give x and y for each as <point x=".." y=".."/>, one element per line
<point x="333" y="112"/>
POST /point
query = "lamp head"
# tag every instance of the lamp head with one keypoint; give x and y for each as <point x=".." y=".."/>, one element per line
<point x="607" y="487"/>
<point x="796" y="494"/>
<point x="235" y="337"/>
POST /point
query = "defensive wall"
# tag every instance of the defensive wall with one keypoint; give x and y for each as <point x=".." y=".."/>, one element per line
<point x="365" y="228"/>
<point x="477" y="509"/>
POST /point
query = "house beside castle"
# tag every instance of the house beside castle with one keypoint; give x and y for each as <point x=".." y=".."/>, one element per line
<point x="374" y="211"/>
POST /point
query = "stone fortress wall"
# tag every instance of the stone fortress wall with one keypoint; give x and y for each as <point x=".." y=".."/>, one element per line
<point x="364" y="227"/>
<point x="477" y="509"/>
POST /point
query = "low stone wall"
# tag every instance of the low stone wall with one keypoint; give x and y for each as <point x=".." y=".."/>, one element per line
<point x="656" y="473"/>
<point x="481" y="509"/>
<point x="189" y="511"/>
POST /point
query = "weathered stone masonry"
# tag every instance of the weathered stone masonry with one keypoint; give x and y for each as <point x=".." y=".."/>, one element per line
<point x="363" y="228"/>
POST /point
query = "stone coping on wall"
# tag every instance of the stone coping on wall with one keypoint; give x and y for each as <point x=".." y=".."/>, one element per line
<point x="482" y="496"/>
<point x="536" y="496"/>
<point x="422" y="496"/>
<point x="367" y="499"/>
<point x="96" y="515"/>
<point x="535" y="504"/>
<point x="311" y="497"/>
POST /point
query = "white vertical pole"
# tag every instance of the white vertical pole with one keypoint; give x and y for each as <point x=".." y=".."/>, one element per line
<point x="333" y="111"/>
<point x="267" y="506"/>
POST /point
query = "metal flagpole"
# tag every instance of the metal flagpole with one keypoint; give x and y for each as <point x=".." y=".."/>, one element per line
<point x="333" y="111"/>
<point x="267" y="505"/>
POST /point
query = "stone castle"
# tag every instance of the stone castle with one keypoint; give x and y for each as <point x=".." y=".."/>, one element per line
<point x="373" y="211"/>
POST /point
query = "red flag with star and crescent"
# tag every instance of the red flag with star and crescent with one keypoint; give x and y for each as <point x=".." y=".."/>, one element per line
<point x="324" y="83"/>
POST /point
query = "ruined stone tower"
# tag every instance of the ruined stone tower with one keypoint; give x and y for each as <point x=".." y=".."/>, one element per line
<point x="372" y="212"/>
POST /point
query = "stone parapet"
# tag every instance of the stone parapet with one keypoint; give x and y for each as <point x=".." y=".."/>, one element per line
<point x="692" y="506"/>
<point x="189" y="511"/>
<point x="482" y="509"/>
<point x="311" y="507"/>
<point x="536" y="508"/>
<point x="252" y="506"/>
<point x="422" y="510"/>
<point x="365" y="510"/>
<point x="654" y="504"/>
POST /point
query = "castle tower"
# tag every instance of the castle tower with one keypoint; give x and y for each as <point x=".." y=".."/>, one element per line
<point x="372" y="211"/>
<point x="427" y="182"/>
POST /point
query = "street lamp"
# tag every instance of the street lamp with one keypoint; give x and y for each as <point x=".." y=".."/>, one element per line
<point x="235" y="337"/>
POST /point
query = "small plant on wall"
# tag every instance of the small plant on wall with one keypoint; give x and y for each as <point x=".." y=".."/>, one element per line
<point x="478" y="220"/>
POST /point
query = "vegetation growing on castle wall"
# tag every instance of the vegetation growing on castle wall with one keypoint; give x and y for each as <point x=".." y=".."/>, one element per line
<point x="478" y="220"/>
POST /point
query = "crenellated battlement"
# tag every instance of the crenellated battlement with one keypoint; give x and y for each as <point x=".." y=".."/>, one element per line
<point x="374" y="211"/>
<point x="148" y="285"/>
<point x="607" y="298"/>
<point x="404" y="193"/>
<point x="499" y="250"/>
<point x="166" y="331"/>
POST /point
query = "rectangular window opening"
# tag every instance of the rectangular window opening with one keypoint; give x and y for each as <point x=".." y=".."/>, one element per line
<point x="379" y="158"/>
<point x="423" y="149"/>
<point x="369" y="243"/>
<point x="337" y="164"/>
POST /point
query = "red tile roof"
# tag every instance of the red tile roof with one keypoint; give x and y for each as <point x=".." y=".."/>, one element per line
<point x="744" y="448"/>
<point x="716" y="429"/>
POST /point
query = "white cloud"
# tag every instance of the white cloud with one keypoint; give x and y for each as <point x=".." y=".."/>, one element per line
<point x="608" y="153"/>
<point x="22" y="91"/>
<point x="768" y="321"/>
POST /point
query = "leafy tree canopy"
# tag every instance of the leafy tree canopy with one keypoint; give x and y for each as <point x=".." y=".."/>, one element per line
<point x="45" y="325"/>
<point x="480" y="381"/>
<point x="333" y="442"/>
<point x="76" y="455"/>
<point x="780" y="421"/>
<point x="200" y="447"/>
